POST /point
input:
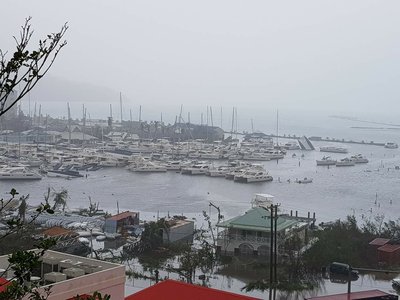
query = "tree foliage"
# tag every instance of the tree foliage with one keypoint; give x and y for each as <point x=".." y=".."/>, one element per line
<point x="22" y="71"/>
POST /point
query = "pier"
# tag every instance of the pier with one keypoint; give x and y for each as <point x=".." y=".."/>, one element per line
<point x="327" y="139"/>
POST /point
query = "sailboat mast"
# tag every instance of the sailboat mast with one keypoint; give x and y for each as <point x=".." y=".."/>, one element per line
<point x="211" y="116"/>
<point x="236" y="120"/>
<point x="69" y="124"/>
<point x="233" y="120"/>
<point x="83" y="122"/>
<point x="120" y="105"/>
<point x="277" y="128"/>
<point x="221" y="117"/>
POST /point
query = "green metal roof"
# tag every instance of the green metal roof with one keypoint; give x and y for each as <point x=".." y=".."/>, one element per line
<point x="257" y="219"/>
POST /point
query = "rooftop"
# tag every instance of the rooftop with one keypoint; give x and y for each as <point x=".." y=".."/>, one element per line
<point x="389" y="248"/>
<point x="258" y="219"/>
<point x="70" y="275"/>
<point x="379" y="242"/>
<point x="177" y="290"/>
<point x="123" y="215"/>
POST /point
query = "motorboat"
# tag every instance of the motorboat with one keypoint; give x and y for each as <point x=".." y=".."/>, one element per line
<point x="253" y="176"/>
<point x="291" y="146"/>
<point x="305" y="180"/>
<point x="199" y="169"/>
<point x="148" y="167"/>
<point x="100" y="238"/>
<point x="65" y="173"/>
<point x="256" y="156"/>
<point x="326" y="161"/>
<point x="345" y="162"/>
<point x="359" y="159"/>
<point x="237" y="171"/>
<point x="18" y="173"/>
<point x="333" y="149"/>
<point x="218" y="172"/>
<point x="391" y="145"/>
<point x="174" y="165"/>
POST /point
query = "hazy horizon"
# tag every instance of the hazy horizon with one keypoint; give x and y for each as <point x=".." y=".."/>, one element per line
<point x="335" y="57"/>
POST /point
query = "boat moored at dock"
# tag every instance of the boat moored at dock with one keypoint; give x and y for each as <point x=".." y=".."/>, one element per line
<point x="333" y="149"/>
<point x="345" y="162"/>
<point x="326" y="161"/>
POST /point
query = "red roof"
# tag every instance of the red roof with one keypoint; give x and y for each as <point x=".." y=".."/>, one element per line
<point x="123" y="215"/>
<point x="80" y="297"/>
<point x="389" y="248"/>
<point x="354" y="295"/>
<point x="176" y="290"/>
<point x="379" y="242"/>
<point x="3" y="284"/>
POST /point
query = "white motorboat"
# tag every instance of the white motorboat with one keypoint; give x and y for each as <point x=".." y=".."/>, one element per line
<point x="305" y="180"/>
<point x="333" y="149"/>
<point x="345" y="162"/>
<point x="253" y="176"/>
<point x="174" y="165"/>
<point x="326" y="161"/>
<point x="199" y="169"/>
<point x="218" y="172"/>
<point x="65" y="173"/>
<point x="18" y="173"/>
<point x="291" y="146"/>
<point x="391" y="145"/>
<point x="100" y="238"/>
<point x="359" y="159"/>
<point x="256" y="156"/>
<point x="237" y="171"/>
<point x="148" y="167"/>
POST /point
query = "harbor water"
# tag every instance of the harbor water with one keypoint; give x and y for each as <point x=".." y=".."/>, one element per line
<point x="364" y="190"/>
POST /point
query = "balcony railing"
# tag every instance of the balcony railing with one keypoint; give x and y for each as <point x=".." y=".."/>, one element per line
<point x="248" y="238"/>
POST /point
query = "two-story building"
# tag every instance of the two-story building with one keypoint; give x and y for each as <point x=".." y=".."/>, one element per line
<point x="250" y="233"/>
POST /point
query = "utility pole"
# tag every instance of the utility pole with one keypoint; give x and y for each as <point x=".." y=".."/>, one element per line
<point x="271" y="247"/>
<point x="275" y="244"/>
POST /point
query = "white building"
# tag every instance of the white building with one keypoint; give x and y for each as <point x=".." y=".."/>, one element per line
<point x="71" y="275"/>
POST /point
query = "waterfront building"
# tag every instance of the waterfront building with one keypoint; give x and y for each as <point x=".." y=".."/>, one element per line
<point x="70" y="275"/>
<point x="250" y="233"/>
<point x="116" y="223"/>
<point x="387" y="250"/>
<point x="178" y="230"/>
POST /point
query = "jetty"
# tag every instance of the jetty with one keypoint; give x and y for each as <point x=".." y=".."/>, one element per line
<point x="327" y="139"/>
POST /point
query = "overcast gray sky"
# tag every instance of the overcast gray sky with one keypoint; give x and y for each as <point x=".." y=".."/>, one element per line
<point x="333" y="55"/>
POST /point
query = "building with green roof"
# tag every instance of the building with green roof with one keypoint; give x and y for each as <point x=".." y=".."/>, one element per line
<point x="250" y="233"/>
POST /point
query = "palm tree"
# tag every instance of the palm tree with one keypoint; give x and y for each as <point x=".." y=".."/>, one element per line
<point x="60" y="199"/>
